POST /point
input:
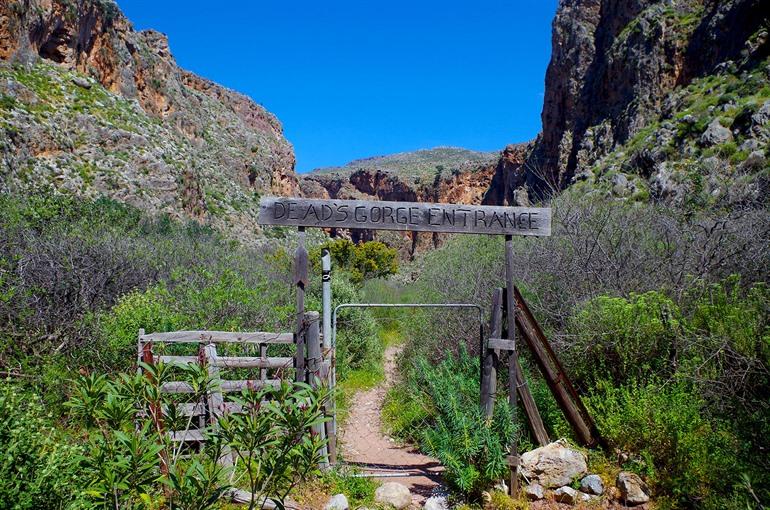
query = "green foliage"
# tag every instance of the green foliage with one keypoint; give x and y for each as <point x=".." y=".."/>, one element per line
<point x="471" y="448"/>
<point x="623" y="338"/>
<point x="130" y="462"/>
<point x="37" y="467"/>
<point x="669" y="436"/>
<point x="358" y="489"/>
<point x="370" y="259"/>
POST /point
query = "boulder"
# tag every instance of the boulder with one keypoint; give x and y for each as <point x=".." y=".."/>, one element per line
<point x="753" y="162"/>
<point x="337" y="502"/>
<point x="393" y="494"/>
<point x="715" y="134"/>
<point x="534" y="491"/>
<point x="592" y="484"/>
<point x="436" y="503"/>
<point x="81" y="82"/>
<point x="552" y="465"/>
<point x="633" y="490"/>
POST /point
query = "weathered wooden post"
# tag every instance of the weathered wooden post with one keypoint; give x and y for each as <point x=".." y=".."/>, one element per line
<point x="513" y="360"/>
<point x="300" y="281"/>
<point x="491" y="357"/>
<point x="314" y="371"/>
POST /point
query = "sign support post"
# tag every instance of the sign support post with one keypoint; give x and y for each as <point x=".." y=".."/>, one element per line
<point x="513" y="360"/>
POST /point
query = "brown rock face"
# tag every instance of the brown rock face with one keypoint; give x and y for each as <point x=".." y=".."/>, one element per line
<point x="225" y="147"/>
<point x="458" y="182"/>
<point x="613" y="62"/>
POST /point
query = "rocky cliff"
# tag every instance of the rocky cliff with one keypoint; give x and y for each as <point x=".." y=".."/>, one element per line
<point x="443" y="174"/>
<point x="93" y="107"/>
<point x="633" y="86"/>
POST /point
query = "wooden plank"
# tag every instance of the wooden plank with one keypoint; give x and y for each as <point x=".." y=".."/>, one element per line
<point x="491" y="357"/>
<point x="513" y="357"/>
<point x="530" y="409"/>
<point x="564" y="392"/>
<point x="300" y="281"/>
<point x="501" y="344"/>
<point x="256" y="337"/>
<point x="230" y="361"/>
<point x="225" y="386"/>
<point x="405" y="216"/>
<point x="179" y="436"/>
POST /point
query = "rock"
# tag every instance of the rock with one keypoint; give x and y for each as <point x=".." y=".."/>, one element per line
<point x="552" y="465"/>
<point x="337" y="502"/>
<point x="751" y="144"/>
<point x="619" y="184"/>
<point x="754" y="161"/>
<point x="592" y="484"/>
<point x="501" y="486"/>
<point x="534" y="491"/>
<point x="761" y="116"/>
<point x="81" y="82"/>
<point x="567" y="495"/>
<point x="436" y="503"/>
<point x="633" y="490"/>
<point x="715" y="134"/>
<point x="393" y="494"/>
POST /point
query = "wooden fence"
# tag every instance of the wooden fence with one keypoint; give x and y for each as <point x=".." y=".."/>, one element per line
<point x="313" y="368"/>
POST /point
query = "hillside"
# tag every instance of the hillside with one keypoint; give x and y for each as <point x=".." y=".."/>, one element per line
<point x="91" y="107"/>
<point x="653" y="99"/>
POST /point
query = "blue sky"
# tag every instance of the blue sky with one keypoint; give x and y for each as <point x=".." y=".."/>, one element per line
<point x="352" y="79"/>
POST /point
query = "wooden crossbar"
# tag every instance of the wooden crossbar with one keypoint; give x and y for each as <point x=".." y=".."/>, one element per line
<point x="218" y="337"/>
<point x="230" y="361"/>
<point x="224" y="386"/>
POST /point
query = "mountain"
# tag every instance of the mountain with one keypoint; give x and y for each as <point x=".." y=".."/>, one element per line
<point x="656" y="99"/>
<point x="90" y="106"/>
<point x="441" y="174"/>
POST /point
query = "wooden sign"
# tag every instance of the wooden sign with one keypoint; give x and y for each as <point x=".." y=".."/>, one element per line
<point x="409" y="216"/>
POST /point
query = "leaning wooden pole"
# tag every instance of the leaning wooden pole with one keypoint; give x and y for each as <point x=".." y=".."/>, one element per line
<point x="513" y="360"/>
<point x="300" y="281"/>
<point x="491" y="357"/>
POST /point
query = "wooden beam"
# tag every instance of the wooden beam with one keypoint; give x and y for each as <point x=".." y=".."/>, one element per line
<point x="491" y="357"/>
<point x="513" y="358"/>
<point x="256" y="337"/>
<point x="315" y="377"/>
<point x="405" y="216"/>
<point x="300" y="281"/>
<point x="563" y="391"/>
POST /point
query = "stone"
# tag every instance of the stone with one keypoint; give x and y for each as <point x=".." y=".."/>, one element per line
<point x="393" y="494"/>
<point x="633" y="490"/>
<point x="619" y="184"/>
<point x="751" y="144"/>
<point x="534" y="491"/>
<point x="436" y="503"/>
<point x="715" y="134"/>
<point x="552" y="465"/>
<point x="81" y="82"/>
<point x="754" y="161"/>
<point x="761" y="116"/>
<point x="337" y="502"/>
<point x="567" y="495"/>
<point x="592" y="484"/>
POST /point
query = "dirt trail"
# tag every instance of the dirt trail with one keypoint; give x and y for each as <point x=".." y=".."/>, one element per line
<point x="367" y="447"/>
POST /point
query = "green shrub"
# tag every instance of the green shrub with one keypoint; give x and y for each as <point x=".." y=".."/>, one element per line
<point x="471" y="448"/>
<point x="623" y="338"/>
<point x="37" y="468"/>
<point x="662" y="426"/>
<point x="370" y="259"/>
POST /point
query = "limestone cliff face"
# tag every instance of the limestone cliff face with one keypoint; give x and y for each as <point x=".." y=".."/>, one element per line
<point x="81" y="86"/>
<point x="447" y="175"/>
<point x="614" y="64"/>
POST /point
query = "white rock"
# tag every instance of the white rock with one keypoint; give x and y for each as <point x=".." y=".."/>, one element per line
<point x="552" y="465"/>
<point x="394" y="494"/>
<point x="567" y="495"/>
<point x="592" y="484"/>
<point x="337" y="502"/>
<point x="534" y="491"/>
<point x="436" y="503"/>
<point x="633" y="490"/>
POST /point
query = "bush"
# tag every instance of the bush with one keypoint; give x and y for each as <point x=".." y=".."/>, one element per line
<point x="663" y="428"/>
<point x="623" y="339"/>
<point x="471" y="448"/>
<point x="37" y="468"/>
<point x="370" y="259"/>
